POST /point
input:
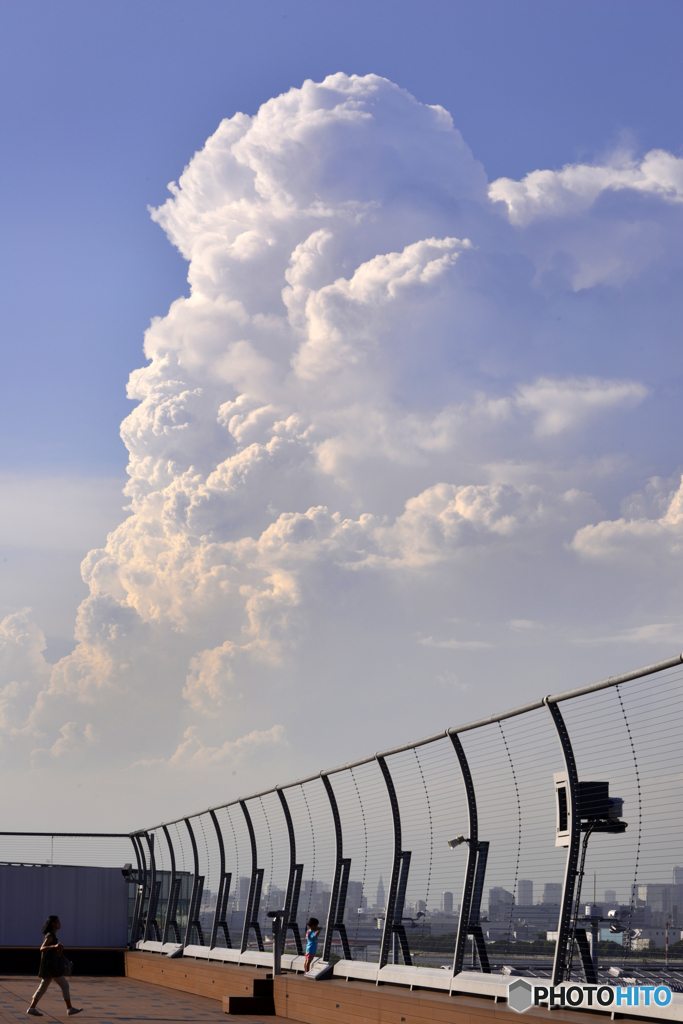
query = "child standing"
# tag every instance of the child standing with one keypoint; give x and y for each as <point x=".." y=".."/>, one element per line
<point x="312" y="933"/>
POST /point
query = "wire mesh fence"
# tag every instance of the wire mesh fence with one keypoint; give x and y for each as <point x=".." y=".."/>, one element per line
<point x="548" y="837"/>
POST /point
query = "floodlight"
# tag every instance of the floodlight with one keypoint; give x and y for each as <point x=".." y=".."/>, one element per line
<point x="597" y="810"/>
<point x="458" y="841"/>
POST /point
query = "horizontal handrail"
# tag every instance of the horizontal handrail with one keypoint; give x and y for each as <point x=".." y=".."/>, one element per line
<point x="73" y="835"/>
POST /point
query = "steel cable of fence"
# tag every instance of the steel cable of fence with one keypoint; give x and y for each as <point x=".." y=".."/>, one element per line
<point x="629" y="737"/>
<point x="428" y="894"/>
<point x="519" y="839"/>
<point x="306" y="850"/>
<point x="513" y="780"/>
<point x="368" y="842"/>
<point x="359" y="899"/>
<point x="235" y="855"/>
<point x="273" y="853"/>
<point x="208" y="864"/>
<point x="640" y="818"/>
<point x="417" y="846"/>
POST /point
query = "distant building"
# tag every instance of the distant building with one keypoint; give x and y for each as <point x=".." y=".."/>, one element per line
<point x="525" y="892"/>
<point x="500" y="903"/>
<point x="355" y="900"/>
<point x="529" y="921"/>
<point x="416" y="907"/>
<point x="314" y="900"/>
<point x="273" y="898"/>
<point x="381" y="898"/>
<point x="243" y="893"/>
<point x="667" y="899"/>
<point x="678" y="876"/>
<point x="447" y="902"/>
<point x="610" y="896"/>
<point x="648" y="938"/>
<point x="552" y="893"/>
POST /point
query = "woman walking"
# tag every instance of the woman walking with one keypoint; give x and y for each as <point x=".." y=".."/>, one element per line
<point x="52" y="963"/>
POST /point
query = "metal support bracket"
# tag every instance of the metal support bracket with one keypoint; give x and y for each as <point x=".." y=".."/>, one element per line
<point x="393" y="925"/>
<point x="151" y="923"/>
<point x="140" y="890"/>
<point x="474" y="929"/>
<point x="475" y="871"/>
<point x="170" y="919"/>
<point x="582" y="942"/>
<point x="294" y="878"/>
<point x="255" y="883"/>
<point x="193" y="921"/>
<point x="223" y="894"/>
<point x="340" y="884"/>
<point x="564" y="930"/>
<point x="399" y="931"/>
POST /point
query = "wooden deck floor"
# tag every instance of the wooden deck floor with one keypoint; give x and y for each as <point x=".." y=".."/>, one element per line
<point x="110" y="1000"/>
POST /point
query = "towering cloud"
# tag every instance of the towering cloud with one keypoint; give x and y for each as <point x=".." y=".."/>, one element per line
<point x="395" y="416"/>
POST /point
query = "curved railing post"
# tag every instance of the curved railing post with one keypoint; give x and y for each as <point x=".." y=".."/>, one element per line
<point x="170" y="919"/>
<point x="393" y="917"/>
<point x="219" y="917"/>
<point x="255" y="883"/>
<point x="573" y="850"/>
<point x="340" y="883"/>
<point x="143" y="892"/>
<point x="139" y="891"/>
<point x="473" y="885"/>
<point x="196" y="897"/>
<point x="154" y="891"/>
<point x="293" y="881"/>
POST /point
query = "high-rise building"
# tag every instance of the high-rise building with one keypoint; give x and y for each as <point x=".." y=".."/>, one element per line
<point x="610" y="896"/>
<point x="663" y="898"/>
<point x="500" y="903"/>
<point x="447" y="902"/>
<point x="243" y="897"/>
<point x="678" y="876"/>
<point x="354" y="899"/>
<point x="525" y="892"/>
<point x="552" y="892"/>
<point x="381" y="898"/>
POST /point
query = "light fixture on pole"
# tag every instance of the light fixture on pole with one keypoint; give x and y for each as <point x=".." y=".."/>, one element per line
<point x="458" y="841"/>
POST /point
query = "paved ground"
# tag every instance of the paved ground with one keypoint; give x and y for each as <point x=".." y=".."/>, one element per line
<point x="109" y="1000"/>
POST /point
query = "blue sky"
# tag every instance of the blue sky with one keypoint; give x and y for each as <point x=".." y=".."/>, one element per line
<point x="406" y="427"/>
<point x="106" y="102"/>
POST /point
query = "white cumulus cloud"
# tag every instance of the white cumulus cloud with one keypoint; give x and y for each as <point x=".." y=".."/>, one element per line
<point x="562" y="404"/>
<point x="362" y="424"/>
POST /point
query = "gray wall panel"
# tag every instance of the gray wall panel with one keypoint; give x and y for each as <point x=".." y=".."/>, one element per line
<point x="92" y="904"/>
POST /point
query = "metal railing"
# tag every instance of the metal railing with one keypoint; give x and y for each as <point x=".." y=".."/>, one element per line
<point x="371" y="848"/>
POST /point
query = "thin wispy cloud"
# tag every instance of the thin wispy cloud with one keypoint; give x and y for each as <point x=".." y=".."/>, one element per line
<point x="454" y="645"/>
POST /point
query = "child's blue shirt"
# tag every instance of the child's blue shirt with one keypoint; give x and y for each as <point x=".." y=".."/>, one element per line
<point x="311" y="941"/>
